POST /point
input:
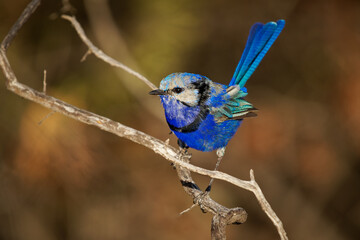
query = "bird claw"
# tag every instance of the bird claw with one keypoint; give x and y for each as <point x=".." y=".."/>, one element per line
<point x="183" y="153"/>
<point x="199" y="200"/>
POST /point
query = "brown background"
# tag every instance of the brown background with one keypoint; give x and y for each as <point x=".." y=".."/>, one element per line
<point x="65" y="180"/>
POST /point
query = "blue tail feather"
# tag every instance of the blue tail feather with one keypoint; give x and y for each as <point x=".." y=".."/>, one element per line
<point x="254" y="29"/>
<point x="260" y="39"/>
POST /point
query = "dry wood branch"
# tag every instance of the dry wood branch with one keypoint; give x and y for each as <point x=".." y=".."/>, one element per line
<point x="25" y="15"/>
<point x="223" y="215"/>
<point x="111" y="39"/>
<point x="100" y="54"/>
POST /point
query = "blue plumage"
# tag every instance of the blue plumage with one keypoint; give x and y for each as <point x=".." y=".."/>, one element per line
<point x="260" y="39"/>
<point x="205" y="115"/>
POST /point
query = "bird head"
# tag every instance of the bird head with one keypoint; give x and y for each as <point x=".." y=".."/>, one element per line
<point x="187" y="88"/>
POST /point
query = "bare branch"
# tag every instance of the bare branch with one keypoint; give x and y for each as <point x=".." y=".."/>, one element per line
<point x="111" y="39"/>
<point x="188" y="209"/>
<point x="46" y="117"/>
<point x="222" y="215"/>
<point x="100" y="54"/>
<point x="88" y="52"/>
<point x="25" y="15"/>
<point x="266" y="207"/>
<point x="44" y="82"/>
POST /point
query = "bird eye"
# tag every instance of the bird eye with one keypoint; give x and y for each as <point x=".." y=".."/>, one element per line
<point x="177" y="90"/>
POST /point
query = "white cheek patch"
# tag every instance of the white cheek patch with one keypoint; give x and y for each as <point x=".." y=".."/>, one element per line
<point x="189" y="96"/>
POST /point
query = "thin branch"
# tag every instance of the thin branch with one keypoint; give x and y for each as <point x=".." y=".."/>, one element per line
<point x="222" y="214"/>
<point x="25" y="15"/>
<point x="100" y="54"/>
<point x="46" y="117"/>
<point x="188" y="209"/>
<point x="44" y="82"/>
<point x="110" y="39"/>
<point x="88" y="52"/>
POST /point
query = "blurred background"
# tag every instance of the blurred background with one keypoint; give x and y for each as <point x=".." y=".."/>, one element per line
<point x="61" y="179"/>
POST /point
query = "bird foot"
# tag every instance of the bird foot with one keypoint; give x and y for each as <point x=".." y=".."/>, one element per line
<point x="200" y="199"/>
<point x="184" y="154"/>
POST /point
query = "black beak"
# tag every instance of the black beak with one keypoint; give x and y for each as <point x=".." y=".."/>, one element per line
<point x="158" y="92"/>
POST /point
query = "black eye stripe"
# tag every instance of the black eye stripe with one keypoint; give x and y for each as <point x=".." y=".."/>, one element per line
<point x="203" y="88"/>
<point x="177" y="90"/>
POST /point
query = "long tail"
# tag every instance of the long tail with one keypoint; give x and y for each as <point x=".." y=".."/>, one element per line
<point x="260" y="39"/>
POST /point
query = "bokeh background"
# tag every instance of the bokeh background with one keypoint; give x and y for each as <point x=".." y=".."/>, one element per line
<point x="60" y="179"/>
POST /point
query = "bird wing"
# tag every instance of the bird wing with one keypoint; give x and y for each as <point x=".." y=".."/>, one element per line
<point x="260" y="39"/>
<point x="234" y="106"/>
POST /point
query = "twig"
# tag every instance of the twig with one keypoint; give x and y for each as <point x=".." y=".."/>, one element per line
<point x="222" y="214"/>
<point x="110" y="39"/>
<point x="188" y="209"/>
<point x="100" y="54"/>
<point x="46" y="117"/>
<point x="25" y="15"/>
<point x="88" y="52"/>
<point x="44" y="82"/>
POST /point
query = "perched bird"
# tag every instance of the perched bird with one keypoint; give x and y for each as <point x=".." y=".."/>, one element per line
<point x="205" y="115"/>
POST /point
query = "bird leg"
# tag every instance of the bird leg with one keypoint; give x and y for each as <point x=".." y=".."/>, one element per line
<point x="183" y="153"/>
<point x="220" y="153"/>
<point x="183" y="148"/>
<point x="182" y="145"/>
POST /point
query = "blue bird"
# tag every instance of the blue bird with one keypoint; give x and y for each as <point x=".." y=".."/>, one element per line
<point x="205" y="115"/>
